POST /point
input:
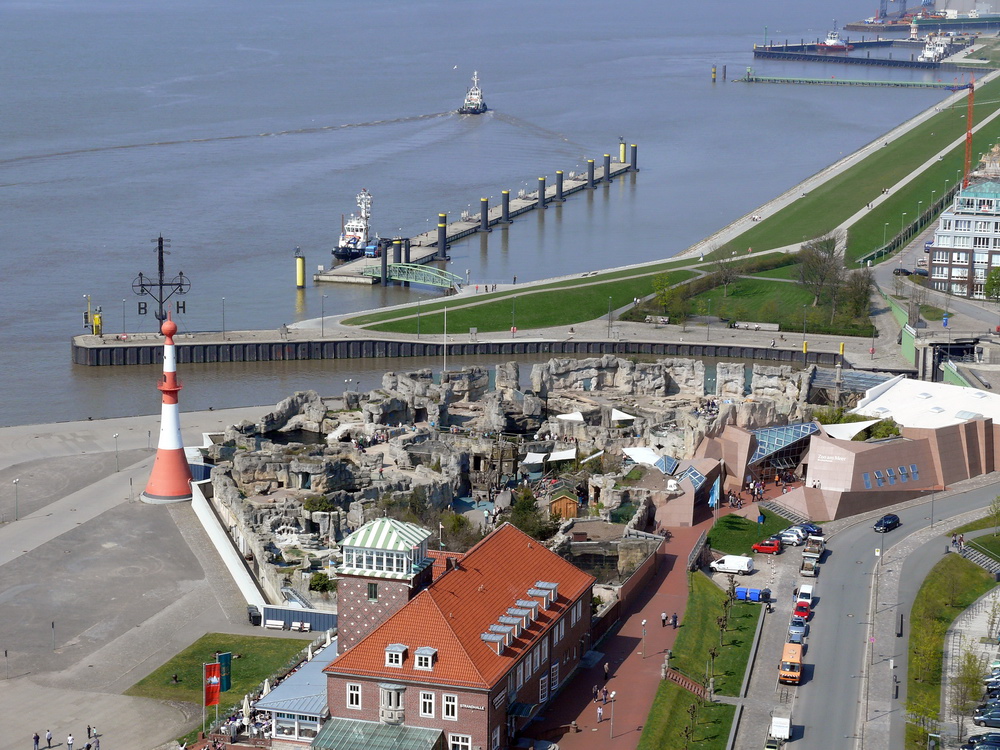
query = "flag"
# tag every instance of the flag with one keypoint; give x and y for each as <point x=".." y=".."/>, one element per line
<point x="713" y="495"/>
<point x="225" y="670"/>
<point x="212" y="684"/>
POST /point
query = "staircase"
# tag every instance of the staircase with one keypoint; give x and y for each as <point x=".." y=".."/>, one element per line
<point x="781" y="510"/>
<point x="985" y="562"/>
<point x="687" y="683"/>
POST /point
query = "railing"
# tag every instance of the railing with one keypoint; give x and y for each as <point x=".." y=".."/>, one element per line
<point x="913" y="229"/>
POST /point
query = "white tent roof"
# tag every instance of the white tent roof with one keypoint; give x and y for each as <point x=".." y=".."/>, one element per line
<point x="534" y="458"/>
<point x="571" y="417"/>
<point x="566" y="455"/>
<point x="848" y="430"/>
<point x="595" y="455"/>
<point x="919" y="403"/>
<point x="642" y="455"/>
<point x="620" y="416"/>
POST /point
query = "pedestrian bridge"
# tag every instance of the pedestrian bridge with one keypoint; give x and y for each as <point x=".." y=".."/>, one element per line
<point x="415" y="273"/>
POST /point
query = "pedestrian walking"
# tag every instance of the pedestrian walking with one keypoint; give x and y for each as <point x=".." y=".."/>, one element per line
<point x="48" y="738"/>
<point x="673" y="620"/>
<point x="596" y="691"/>
<point x="69" y="742"/>
<point x="97" y="743"/>
<point x="961" y="542"/>
<point x="607" y="668"/>
<point x="604" y="695"/>
<point x="954" y="539"/>
<point x="88" y="731"/>
<point x="600" y="714"/>
<point x="36" y="738"/>
<point x="663" y="619"/>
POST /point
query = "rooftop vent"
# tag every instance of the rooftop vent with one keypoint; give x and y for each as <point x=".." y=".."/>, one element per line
<point x="553" y="587"/>
<point x="495" y="639"/>
<point x="523" y="614"/>
<point x="516" y="622"/>
<point x="923" y="395"/>
<point x="529" y="604"/>
<point x="936" y="409"/>
<point x="544" y="594"/>
<point x="978" y="394"/>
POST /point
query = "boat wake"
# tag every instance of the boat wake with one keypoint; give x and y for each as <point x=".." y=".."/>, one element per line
<point x="538" y="130"/>
<point x="217" y="139"/>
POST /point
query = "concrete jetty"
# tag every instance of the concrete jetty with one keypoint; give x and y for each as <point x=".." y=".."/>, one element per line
<point x="424" y="248"/>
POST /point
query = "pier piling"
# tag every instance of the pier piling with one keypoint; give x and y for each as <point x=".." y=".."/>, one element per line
<point x="406" y="250"/>
<point x="607" y="169"/>
<point x="385" y="266"/>
<point x="541" y="192"/>
<point x="590" y="174"/>
<point x="559" y="186"/>
<point x="505" y="207"/>
<point x="300" y="269"/>
<point x="713" y="74"/>
<point x="634" y="158"/>
<point x="484" y="215"/>
<point x="442" y="241"/>
<point x="397" y="251"/>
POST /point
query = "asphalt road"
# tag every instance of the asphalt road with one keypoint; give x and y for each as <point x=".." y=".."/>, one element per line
<point x="832" y="698"/>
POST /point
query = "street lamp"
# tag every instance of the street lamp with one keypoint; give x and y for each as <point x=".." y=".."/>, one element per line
<point x="708" y="324"/>
<point x="322" y="316"/>
<point x="117" y="466"/>
<point x="16" y="482"/>
<point x="919" y="208"/>
<point x="418" y="319"/>
<point x="513" y="312"/>
<point x="123" y="315"/>
<point x="612" y="735"/>
<point x="643" y="639"/>
<point x="804" y="323"/>
<point x="609" y="317"/>
<point x="884" y="230"/>
<point x="223" y="318"/>
<point x="901" y="220"/>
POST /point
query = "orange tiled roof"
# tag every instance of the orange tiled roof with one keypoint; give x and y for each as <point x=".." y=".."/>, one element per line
<point x="452" y="613"/>
<point x="440" y="558"/>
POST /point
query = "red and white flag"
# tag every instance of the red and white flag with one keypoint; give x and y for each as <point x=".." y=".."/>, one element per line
<point x="213" y="677"/>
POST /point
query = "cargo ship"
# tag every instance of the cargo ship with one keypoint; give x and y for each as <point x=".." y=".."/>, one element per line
<point x="474" y="103"/>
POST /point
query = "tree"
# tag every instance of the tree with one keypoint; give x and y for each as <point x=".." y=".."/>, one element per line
<point x="821" y="266"/>
<point x="857" y="292"/>
<point x="322" y="582"/>
<point x="663" y="291"/>
<point x="525" y="515"/>
<point x="995" y="513"/>
<point x="992" y="287"/>
<point x="727" y="271"/>
<point x="966" y="686"/>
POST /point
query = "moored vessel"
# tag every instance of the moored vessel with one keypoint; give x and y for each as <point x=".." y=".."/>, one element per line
<point x="355" y="232"/>
<point x="833" y="43"/>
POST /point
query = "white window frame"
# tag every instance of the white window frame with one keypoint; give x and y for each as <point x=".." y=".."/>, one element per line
<point x="424" y="661"/>
<point x="354" y="696"/>
<point x="520" y="675"/>
<point x="554" y="675"/>
<point x="459" y="742"/>
<point x="495" y="734"/>
<point x="449" y="707"/>
<point x="394" y="658"/>
<point x="427" y="699"/>
<point x="543" y="688"/>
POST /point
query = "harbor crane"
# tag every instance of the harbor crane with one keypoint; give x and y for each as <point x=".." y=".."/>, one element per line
<point x="971" y="86"/>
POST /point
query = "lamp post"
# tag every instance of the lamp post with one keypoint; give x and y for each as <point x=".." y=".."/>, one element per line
<point x="609" y="317"/>
<point x="613" y="694"/>
<point x="16" y="482"/>
<point x="804" y="323"/>
<point x="322" y="316"/>
<point x="885" y="229"/>
<point x="902" y="219"/>
<point x="643" y="639"/>
<point x="708" y="324"/>
<point x="513" y="313"/>
<point x="123" y="315"/>
<point x="920" y="205"/>
<point x="223" y="318"/>
<point x="418" y="319"/>
<point x="117" y="465"/>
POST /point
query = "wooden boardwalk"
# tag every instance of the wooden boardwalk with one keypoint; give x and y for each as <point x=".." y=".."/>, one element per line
<point x="423" y="247"/>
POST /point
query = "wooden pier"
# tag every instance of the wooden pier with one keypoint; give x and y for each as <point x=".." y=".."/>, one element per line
<point x="751" y="78"/>
<point x="424" y="247"/>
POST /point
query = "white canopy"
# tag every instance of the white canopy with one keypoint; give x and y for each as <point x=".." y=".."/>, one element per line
<point x="572" y="417"/>
<point x="642" y="455"/>
<point x="620" y="416"/>
<point x="534" y="458"/>
<point x="847" y="430"/>
<point x="566" y="455"/>
<point x="588" y="458"/>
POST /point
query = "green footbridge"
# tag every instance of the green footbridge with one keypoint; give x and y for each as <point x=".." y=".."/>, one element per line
<point x="415" y="273"/>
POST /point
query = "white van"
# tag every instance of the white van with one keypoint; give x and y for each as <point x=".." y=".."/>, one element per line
<point x="733" y="564"/>
<point x="805" y="594"/>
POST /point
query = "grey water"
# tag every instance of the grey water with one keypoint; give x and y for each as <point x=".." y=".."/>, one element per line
<point x="242" y="131"/>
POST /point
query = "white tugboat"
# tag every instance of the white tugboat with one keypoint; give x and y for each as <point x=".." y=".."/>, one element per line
<point x="474" y="102"/>
<point x="354" y="233"/>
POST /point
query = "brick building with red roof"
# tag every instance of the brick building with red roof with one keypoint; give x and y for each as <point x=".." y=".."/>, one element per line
<point x="469" y="660"/>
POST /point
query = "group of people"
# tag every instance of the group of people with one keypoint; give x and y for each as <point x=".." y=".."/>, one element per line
<point x="93" y="741"/>
<point x="709" y="408"/>
<point x="958" y="542"/>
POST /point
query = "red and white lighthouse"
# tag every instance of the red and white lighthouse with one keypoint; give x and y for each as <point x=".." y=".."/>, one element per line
<point x="170" y="480"/>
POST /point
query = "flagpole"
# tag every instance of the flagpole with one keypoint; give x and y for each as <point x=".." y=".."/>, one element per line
<point x="203" y="665"/>
<point x="445" y="342"/>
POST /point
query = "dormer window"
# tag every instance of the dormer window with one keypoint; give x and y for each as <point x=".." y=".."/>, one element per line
<point x="395" y="653"/>
<point x="425" y="658"/>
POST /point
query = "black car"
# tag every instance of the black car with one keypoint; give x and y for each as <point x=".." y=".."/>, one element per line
<point x="901" y="271"/>
<point x="886" y="523"/>
<point x="987" y="745"/>
<point x="984" y="738"/>
<point x="920" y="272"/>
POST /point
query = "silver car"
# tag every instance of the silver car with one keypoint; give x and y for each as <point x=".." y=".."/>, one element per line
<point x="797" y="626"/>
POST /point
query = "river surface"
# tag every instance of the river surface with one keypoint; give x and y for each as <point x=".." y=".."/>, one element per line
<point x="242" y="131"/>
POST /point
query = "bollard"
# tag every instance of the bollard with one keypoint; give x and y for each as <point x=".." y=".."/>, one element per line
<point x="541" y="192"/>
<point x="442" y="241"/>
<point x="723" y="73"/>
<point x="385" y="266"/>
<point x="406" y="250"/>
<point x="559" y="186"/>
<point x="505" y="207"/>
<point x="484" y="214"/>
<point x="634" y="166"/>
<point x="397" y="251"/>
<point x="590" y="174"/>
<point x="300" y="269"/>
<point x="607" y="168"/>
<point x="713" y="74"/>
<point x="621" y="152"/>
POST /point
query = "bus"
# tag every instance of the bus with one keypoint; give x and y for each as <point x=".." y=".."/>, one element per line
<point x="790" y="668"/>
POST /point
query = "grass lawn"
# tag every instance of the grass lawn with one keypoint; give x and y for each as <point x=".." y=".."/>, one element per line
<point x="669" y="716"/>
<point x="988" y="545"/>
<point x="734" y="535"/>
<point x="951" y="586"/>
<point x="929" y="312"/>
<point x="261" y="657"/>
<point x="980" y="523"/>
<point x="699" y="633"/>
<point x="784" y="272"/>
<point x="533" y="310"/>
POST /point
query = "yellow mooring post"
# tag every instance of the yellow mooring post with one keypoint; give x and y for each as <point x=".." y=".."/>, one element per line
<point x="621" y="152"/>
<point x="713" y="74"/>
<point x="300" y="269"/>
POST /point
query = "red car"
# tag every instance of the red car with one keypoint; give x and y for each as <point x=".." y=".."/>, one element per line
<point x="802" y="610"/>
<point x="768" y="546"/>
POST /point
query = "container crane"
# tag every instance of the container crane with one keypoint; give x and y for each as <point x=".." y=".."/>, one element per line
<point x="971" y="86"/>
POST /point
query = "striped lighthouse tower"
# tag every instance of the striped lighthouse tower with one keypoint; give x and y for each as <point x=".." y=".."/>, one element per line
<point x="170" y="480"/>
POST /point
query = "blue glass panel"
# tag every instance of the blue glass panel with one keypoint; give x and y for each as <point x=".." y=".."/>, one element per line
<point x="868" y="480"/>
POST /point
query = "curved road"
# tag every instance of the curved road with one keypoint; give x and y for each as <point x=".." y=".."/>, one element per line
<point x="831" y="704"/>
